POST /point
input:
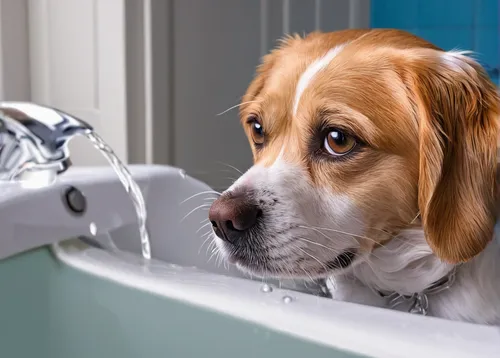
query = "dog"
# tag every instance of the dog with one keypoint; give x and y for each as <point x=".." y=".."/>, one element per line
<point x="375" y="168"/>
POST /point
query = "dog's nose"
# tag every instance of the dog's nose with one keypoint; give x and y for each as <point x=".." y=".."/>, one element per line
<point x="232" y="215"/>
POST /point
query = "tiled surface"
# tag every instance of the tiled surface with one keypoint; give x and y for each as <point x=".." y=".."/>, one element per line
<point x="458" y="39"/>
<point x="487" y="45"/>
<point x="450" y="24"/>
<point x="396" y="14"/>
<point x="445" y="13"/>
<point x="487" y="13"/>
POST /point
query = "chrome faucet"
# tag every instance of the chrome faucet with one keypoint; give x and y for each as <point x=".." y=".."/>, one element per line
<point x="34" y="141"/>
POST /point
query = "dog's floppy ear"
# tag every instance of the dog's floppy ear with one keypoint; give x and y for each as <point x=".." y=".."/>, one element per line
<point x="458" y="111"/>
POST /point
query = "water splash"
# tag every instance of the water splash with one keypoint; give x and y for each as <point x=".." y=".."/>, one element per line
<point x="130" y="186"/>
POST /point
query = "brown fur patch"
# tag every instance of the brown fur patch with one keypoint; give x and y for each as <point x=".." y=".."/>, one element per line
<point x="459" y="112"/>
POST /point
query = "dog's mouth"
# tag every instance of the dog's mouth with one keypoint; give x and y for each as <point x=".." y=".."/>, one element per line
<point x="342" y="261"/>
<point x="262" y="264"/>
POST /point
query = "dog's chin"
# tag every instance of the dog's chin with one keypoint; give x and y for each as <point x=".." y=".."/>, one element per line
<point x="258" y="266"/>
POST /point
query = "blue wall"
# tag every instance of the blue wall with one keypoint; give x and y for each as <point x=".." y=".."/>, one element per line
<point x="450" y="24"/>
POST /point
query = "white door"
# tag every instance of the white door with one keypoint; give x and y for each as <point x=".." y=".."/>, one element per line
<point x="77" y="59"/>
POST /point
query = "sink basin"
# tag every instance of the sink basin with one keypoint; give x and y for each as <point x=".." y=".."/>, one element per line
<point x="75" y="285"/>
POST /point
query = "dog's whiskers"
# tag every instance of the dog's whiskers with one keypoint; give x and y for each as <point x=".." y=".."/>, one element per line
<point x="312" y="256"/>
<point x="318" y="244"/>
<point x="231" y="179"/>
<point x="366" y="260"/>
<point x="236" y="106"/>
<point x="215" y="251"/>
<point x="201" y="228"/>
<point x="205" y="241"/>
<point x="331" y="239"/>
<point x="307" y="274"/>
<point x="197" y="208"/>
<point x="207" y="233"/>
<point x="317" y="229"/>
<point x="415" y="218"/>
<point x="378" y="244"/>
<point x="218" y="193"/>
<point x="232" y="167"/>
<point x="211" y="245"/>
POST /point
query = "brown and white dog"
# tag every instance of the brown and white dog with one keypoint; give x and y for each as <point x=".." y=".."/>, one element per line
<point x="375" y="165"/>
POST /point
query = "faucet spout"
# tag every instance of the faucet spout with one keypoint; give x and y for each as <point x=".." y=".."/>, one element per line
<point x="33" y="140"/>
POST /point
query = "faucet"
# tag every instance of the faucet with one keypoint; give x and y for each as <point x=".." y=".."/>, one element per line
<point x="34" y="141"/>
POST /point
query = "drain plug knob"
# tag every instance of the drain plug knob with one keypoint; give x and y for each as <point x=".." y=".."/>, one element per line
<point x="75" y="201"/>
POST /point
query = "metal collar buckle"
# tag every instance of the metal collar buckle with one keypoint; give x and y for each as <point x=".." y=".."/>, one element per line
<point x="419" y="301"/>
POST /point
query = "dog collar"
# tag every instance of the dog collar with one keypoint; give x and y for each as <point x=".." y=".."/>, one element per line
<point x="419" y="301"/>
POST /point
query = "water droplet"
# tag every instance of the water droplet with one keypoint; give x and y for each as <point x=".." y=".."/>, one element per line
<point x="266" y="288"/>
<point x="93" y="229"/>
<point x="182" y="173"/>
<point x="287" y="299"/>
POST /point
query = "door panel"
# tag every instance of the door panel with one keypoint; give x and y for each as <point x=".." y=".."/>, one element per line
<point x="77" y="51"/>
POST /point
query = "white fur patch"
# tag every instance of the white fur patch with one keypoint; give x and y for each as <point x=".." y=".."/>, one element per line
<point x="308" y="225"/>
<point x="405" y="265"/>
<point x="456" y="60"/>
<point x="311" y="72"/>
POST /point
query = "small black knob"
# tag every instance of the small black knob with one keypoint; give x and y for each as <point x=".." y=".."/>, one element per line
<point x="75" y="201"/>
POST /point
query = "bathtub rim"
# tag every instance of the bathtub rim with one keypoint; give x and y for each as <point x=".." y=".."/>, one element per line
<point x="350" y="327"/>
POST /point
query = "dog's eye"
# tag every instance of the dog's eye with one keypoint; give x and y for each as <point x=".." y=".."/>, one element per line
<point x="339" y="143"/>
<point x="257" y="130"/>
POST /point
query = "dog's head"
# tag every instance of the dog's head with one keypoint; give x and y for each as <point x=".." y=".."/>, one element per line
<point x="355" y="134"/>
